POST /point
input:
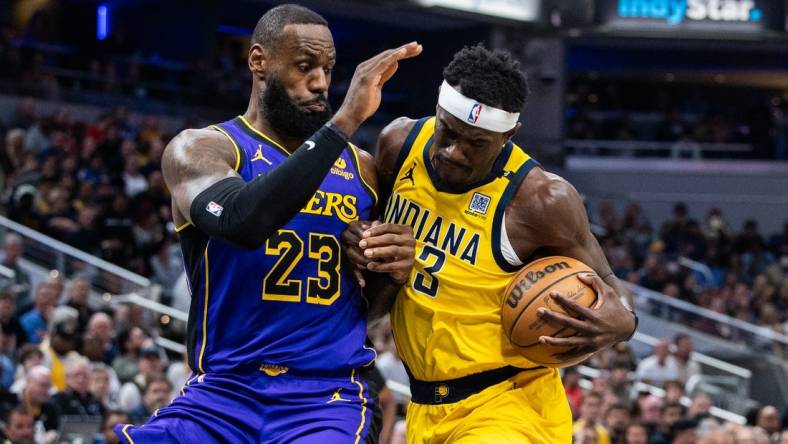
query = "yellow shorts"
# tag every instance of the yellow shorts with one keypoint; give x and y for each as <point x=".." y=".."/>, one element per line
<point x="528" y="408"/>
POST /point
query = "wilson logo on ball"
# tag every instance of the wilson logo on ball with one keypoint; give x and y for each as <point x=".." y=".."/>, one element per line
<point x="531" y="279"/>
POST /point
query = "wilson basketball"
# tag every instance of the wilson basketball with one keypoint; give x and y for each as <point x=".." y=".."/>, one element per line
<point x="531" y="289"/>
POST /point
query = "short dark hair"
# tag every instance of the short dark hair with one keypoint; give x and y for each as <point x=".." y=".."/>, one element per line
<point x="490" y="77"/>
<point x="680" y="337"/>
<point x="155" y="378"/>
<point x="618" y="405"/>
<point x="16" y="411"/>
<point x="28" y="350"/>
<point x="674" y="405"/>
<point x="271" y="25"/>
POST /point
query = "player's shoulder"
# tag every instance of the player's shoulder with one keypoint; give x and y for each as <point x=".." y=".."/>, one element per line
<point x="545" y="195"/>
<point x="192" y="142"/>
<point x="364" y="157"/>
<point x="392" y="138"/>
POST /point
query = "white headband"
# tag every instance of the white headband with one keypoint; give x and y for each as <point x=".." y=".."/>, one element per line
<point x="475" y="113"/>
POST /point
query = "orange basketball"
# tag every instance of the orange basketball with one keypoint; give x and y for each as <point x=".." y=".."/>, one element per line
<point x="531" y="289"/>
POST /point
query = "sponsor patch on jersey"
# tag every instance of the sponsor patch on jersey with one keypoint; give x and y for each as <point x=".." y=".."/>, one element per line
<point x="339" y="170"/>
<point x="479" y="203"/>
<point x="214" y="208"/>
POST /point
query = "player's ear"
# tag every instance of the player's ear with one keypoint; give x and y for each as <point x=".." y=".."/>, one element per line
<point x="259" y="58"/>
<point x="511" y="133"/>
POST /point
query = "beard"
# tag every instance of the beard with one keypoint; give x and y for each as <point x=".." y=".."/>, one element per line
<point x="290" y="118"/>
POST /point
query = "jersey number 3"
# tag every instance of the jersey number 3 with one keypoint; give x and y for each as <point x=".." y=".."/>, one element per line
<point x="288" y="246"/>
<point x="426" y="281"/>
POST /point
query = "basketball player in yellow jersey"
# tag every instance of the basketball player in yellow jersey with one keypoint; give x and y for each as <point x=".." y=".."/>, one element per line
<point x="480" y="208"/>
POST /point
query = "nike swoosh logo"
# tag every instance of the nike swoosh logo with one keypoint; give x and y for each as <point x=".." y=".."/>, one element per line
<point x="309" y="145"/>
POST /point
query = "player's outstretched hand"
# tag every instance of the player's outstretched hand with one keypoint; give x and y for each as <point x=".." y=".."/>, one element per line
<point x="390" y="248"/>
<point x="363" y="95"/>
<point x="598" y="328"/>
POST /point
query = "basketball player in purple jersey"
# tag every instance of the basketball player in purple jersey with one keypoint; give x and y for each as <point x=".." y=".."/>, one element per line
<point x="277" y="324"/>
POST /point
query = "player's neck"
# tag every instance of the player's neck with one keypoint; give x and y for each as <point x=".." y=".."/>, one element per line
<point x="256" y="118"/>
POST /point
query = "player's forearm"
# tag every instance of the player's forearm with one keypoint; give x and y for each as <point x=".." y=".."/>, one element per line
<point x="380" y="293"/>
<point x="247" y="213"/>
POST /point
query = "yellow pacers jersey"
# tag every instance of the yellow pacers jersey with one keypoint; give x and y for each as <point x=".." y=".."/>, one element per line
<point x="447" y="320"/>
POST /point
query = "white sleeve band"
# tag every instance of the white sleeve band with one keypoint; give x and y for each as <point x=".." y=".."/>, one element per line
<point x="474" y="113"/>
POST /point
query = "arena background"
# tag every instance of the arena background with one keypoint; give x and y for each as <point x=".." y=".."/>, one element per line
<point x="668" y="117"/>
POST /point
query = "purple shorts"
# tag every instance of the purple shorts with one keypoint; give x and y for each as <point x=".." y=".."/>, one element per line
<point x="257" y="408"/>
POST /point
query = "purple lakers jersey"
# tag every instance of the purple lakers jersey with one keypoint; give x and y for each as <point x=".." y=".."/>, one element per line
<point x="289" y="305"/>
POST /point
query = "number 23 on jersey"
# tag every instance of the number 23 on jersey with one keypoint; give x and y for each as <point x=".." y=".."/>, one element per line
<point x="288" y="246"/>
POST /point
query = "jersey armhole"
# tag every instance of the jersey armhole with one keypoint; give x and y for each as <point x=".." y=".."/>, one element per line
<point x="357" y="163"/>
<point x="515" y="180"/>
<point x="238" y="156"/>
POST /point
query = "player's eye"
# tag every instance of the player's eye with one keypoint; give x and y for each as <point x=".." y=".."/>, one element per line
<point x="303" y="67"/>
<point x="328" y="69"/>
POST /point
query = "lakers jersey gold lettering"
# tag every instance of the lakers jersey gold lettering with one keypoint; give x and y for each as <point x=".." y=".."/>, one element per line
<point x="447" y="319"/>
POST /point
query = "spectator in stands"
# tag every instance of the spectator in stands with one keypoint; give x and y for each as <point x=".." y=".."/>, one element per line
<point x="674" y="230"/>
<point x="768" y="420"/>
<point x="12" y="335"/>
<point x="85" y="237"/>
<point x="19" y="427"/>
<point x="110" y="421"/>
<point x="130" y="340"/>
<point x="76" y="399"/>
<point x="134" y="182"/>
<point x="150" y="364"/>
<point x="636" y="433"/>
<point x="30" y="355"/>
<point x="591" y="414"/>
<point x="101" y="328"/>
<point x="650" y="408"/>
<point x="587" y="434"/>
<point x="167" y="266"/>
<point x="78" y="294"/>
<point x="14" y="150"/>
<point x="158" y="393"/>
<point x="35" y="321"/>
<point x="104" y="385"/>
<point x="617" y="418"/>
<point x="669" y="414"/>
<point x="674" y="391"/>
<point x="699" y="409"/>
<point x="659" y="367"/>
<point x="620" y="383"/>
<point x="36" y="397"/>
<point x="13" y="249"/>
<point x="686" y="367"/>
<point x="62" y="340"/>
<point x="683" y="431"/>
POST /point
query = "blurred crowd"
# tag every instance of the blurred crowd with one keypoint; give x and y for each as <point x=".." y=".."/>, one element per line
<point x="34" y="61"/>
<point x="679" y="116"/>
<point x="743" y="273"/>
<point x="66" y="368"/>
<point x="94" y="185"/>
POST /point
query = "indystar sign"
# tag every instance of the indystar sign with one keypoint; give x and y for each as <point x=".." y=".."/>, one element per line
<point x="675" y="12"/>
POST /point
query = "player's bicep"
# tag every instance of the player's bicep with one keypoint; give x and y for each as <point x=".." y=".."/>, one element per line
<point x="559" y="219"/>
<point x="192" y="162"/>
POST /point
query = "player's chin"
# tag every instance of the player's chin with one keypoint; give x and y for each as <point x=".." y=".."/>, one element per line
<point x="452" y="179"/>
